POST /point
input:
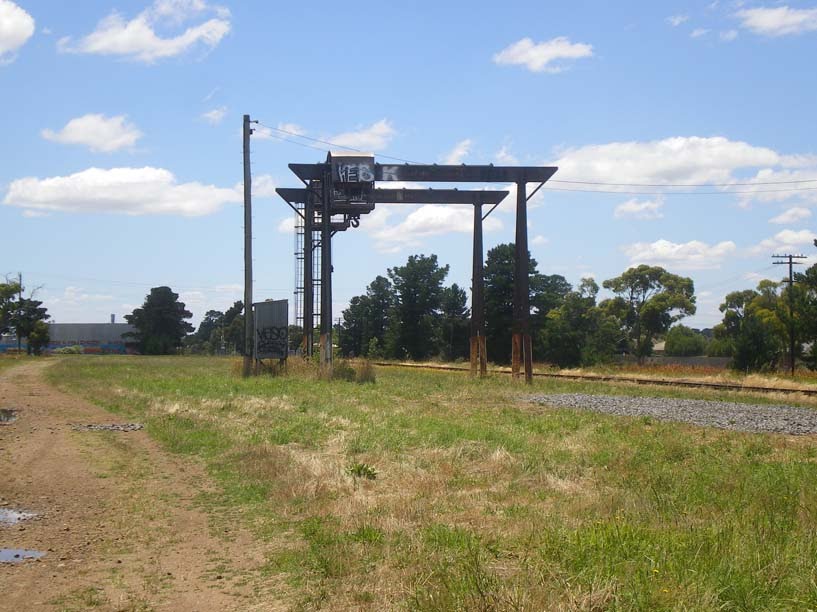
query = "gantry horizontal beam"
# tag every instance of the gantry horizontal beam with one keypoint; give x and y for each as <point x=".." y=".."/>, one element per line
<point x="441" y="174"/>
<point x="413" y="196"/>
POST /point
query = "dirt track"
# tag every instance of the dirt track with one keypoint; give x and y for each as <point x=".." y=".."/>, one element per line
<point x="117" y="519"/>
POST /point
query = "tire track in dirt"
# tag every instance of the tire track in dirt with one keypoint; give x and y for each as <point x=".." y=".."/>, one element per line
<point x="117" y="519"/>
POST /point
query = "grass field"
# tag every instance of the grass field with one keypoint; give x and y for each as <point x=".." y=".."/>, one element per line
<point x="435" y="491"/>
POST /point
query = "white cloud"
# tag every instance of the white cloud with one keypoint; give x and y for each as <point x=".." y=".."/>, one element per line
<point x="692" y="255"/>
<point x="676" y="20"/>
<point x="458" y="153"/>
<point x="778" y="21"/>
<point x="545" y="56"/>
<point x="505" y="157"/>
<point x="129" y="191"/>
<point x="16" y="27"/>
<point x="422" y="222"/>
<point x="539" y="240"/>
<point x="262" y="186"/>
<point x="372" y="138"/>
<point x="784" y="241"/>
<point x="728" y="35"/>
<point x="137" y="39"/>
<point x="647" y="209"/>
<point x="292" y="128"/>
<point x="215" y="116"/>
<point x="699" y="32"/>
<point x="97" y="132"/>
<point x="287" y="225"/>
<point x="33" y="214"/>
<point x="680" y="159"/>
<point x="796" y="183"/>
<point x="792" y="215"/>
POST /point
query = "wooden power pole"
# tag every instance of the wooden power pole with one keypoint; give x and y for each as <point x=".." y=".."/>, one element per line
<point x="248" y="326"/>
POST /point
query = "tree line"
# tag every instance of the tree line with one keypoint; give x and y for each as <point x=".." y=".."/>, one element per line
<point x="411" y="313"/>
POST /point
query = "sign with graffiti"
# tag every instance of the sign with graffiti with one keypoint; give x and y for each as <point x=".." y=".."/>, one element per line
<point x="352" y="169"/>
<point x="271" y="322"/>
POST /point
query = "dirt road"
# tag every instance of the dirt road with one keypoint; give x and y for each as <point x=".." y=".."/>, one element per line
<point x="117" y="518"/>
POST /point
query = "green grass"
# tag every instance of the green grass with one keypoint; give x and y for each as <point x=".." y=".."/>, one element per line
<point x="481" y="500"/>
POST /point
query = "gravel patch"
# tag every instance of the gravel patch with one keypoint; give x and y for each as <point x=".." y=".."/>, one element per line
<point x="724" y="415"/>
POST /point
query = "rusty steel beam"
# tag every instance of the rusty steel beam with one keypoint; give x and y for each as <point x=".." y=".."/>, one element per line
<point x="442" y="174"/>
<point x="411" y="196"/>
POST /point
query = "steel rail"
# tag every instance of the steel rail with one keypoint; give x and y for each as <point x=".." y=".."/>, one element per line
<point x="661" y="382"/>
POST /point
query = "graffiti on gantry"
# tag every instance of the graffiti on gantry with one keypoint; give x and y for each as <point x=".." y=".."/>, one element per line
<point x="272" y="342"/>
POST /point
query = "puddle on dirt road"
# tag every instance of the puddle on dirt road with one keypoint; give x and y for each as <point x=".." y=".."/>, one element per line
<point x="9" y="516"/>
<point x="18" y="555"/>
<point x="7" y="415"/>
<point x="107" y="427"/>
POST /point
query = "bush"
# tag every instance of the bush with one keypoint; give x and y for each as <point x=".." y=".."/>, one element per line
<point x="343" y="370"/>
<point x="365" y="372"/>
<point x="69" y="350"/>
<point x="684" y="342"/>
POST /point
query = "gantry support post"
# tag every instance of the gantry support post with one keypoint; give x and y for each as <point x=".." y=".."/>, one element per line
<point x="479" y="357"/>
<point x="521" y="347"/>
<point x="326" y="270"/>
<point x="309" y="284"/>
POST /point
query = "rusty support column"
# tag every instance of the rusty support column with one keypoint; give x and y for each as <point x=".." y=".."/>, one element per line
<point x="326" y="270"/>
<point x="521" y="342"/>
<point x="479" y="359"/>
<point x="309" y="285"/>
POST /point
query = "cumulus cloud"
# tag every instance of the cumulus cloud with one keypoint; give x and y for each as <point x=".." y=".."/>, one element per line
<point x="728" y="35"/>
<point x="129" y="191"/>
<point x="423" y="222"/>
<point x="676" y="20"/>
<point x="539" y="240"/>
<point x="778" y="21"/>
<point x="792" y="215"/>
<point x="262" y="186"/>
<point x="16" y="27"/>
<point x="97" y="132"/>
<point x="458" y="153"/>
<point x="647" y="209"/>
<point x="698" y="32"/>
<point x="215" y="116"/>
<point x="372" y="138"/>
<point x="505" y="157"/>
<point x="680" y="159"/>
<point x="692" y="255"/>
<point x="548" y="56"/>
<point x="287" y="225"/>
<point x="137" y="39"/>
<point x="785" y="241"/>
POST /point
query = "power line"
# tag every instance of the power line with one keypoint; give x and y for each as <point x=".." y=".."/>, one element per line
<point x="683" y="184"/>
<point x="327" y="142"/>
<point x="579" y="182"/>
<point x="619" y="192"/>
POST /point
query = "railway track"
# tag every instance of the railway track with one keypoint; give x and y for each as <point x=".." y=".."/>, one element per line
<point x="662" y="382"/>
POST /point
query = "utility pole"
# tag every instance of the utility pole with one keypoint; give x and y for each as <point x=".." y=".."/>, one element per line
<point x="788" y="259"/>
<point x="19" y="311"/>
<point x="248" y="323"/>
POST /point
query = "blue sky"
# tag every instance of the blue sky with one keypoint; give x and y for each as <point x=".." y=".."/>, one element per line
<point x="121" y="149"/>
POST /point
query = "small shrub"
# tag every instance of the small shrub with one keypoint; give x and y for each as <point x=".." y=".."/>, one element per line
<point x="365" y="372"/>
<point x="362" y="470"/>
<point x="69" y="350"/>
<point x="343" y="370"/>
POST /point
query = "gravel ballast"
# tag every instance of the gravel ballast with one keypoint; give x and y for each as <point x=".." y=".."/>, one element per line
<point x="725" y="415"/>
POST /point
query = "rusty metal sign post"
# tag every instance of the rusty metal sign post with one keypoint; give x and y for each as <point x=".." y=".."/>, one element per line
<point x="342" y="189"/>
